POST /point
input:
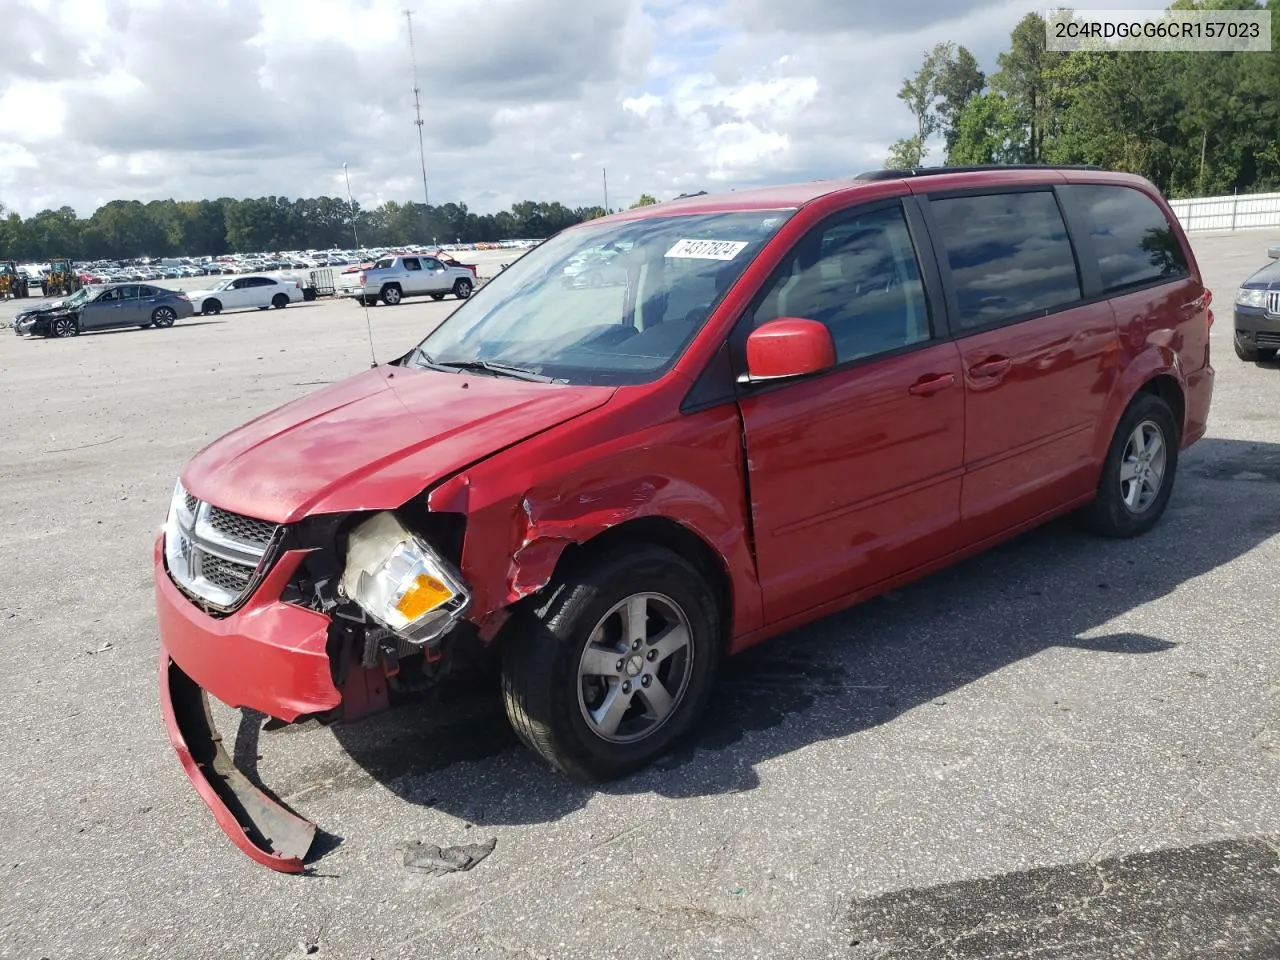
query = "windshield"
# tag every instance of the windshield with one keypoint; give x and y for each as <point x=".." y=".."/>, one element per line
<point x="223" y="284"/>
<point x="607" y="304"/>
<point x="83" y="295"/>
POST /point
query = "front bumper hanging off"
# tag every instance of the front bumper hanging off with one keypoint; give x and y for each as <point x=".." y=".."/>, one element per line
<point x="256" y="823"/>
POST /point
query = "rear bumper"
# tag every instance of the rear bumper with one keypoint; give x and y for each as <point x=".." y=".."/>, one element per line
<point x="1199" y="398"/>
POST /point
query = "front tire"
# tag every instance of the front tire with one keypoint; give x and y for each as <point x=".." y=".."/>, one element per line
<point x="64" y="327"/>
<point x="211" y="308"/>
<point x="1138" y="473"/>
<point x="616" y="664"/>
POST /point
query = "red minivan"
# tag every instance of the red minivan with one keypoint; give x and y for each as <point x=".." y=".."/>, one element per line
<point x="665" y="435"/>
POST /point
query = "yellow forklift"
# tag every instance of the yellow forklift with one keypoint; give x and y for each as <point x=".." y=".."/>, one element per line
<point x="13" y="282"/>
<point x="62" y="281"/>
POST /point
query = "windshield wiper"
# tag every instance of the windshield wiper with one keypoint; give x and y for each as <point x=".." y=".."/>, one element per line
<point x="498" y="369"/>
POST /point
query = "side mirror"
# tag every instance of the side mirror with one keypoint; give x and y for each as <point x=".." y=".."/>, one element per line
<point x="788" y="347"/>
<point x="1274" y="252"/>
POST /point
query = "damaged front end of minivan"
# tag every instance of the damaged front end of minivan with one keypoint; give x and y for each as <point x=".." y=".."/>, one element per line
<point x="328" y="618"/>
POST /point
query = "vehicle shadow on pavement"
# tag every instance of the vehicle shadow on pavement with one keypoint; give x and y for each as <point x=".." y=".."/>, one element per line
<point x="1058" y="586"/>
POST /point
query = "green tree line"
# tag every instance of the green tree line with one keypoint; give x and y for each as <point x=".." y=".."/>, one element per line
<point x="124" y="229"/>
<point x="1195" y="124"/>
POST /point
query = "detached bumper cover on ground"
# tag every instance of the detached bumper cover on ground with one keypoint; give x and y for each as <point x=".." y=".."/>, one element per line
<point x="269" y="656"/>
<point x="257" y="824"/>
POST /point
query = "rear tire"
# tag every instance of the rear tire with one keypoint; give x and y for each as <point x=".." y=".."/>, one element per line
<point x="391" y="295"/>
<point x="462" y="289"/>
<point x="163" y="317"/>
<point x="280" y="301"/>
<point x="1252" y="354"/>
<point x="1139" y="470"/>
<point x="600" y="687"/>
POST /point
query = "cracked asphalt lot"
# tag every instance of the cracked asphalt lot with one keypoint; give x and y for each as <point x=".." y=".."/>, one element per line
<point x="1067" y="747"/>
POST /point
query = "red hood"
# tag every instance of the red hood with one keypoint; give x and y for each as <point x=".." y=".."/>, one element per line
<point x="375" y="440"/>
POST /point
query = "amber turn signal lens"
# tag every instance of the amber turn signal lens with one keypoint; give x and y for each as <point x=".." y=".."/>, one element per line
<point x="425" y="593"/>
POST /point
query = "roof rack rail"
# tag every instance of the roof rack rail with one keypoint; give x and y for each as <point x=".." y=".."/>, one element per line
<point x="936" y="171"/>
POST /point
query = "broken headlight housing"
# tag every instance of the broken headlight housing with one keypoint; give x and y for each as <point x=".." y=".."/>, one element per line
<point x="400" y="582"/>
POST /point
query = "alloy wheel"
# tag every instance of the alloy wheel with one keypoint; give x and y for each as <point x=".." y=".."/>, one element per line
<point x="1142" y="466"/>
<point x="635" y="669"/>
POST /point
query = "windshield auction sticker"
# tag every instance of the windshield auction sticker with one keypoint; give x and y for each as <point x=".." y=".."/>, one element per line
<point x="707" y="249"/>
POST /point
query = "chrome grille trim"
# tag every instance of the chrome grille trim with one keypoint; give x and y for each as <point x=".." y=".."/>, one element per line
<point x="1273" y="303"/>
<point x="215" y="556"/>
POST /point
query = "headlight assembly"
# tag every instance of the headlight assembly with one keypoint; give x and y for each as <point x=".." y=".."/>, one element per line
<point x="400" y="581"/>
<point x="1250" y="298"/>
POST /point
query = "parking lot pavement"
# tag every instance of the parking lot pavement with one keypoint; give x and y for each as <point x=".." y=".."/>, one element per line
<point x="1068" y="744"/>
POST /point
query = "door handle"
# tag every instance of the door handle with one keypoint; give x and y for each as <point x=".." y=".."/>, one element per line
<point x="930" y="384"/>
<point x="992" y="367"/>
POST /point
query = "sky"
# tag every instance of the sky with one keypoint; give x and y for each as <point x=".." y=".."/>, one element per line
<point x="521" y="99"/>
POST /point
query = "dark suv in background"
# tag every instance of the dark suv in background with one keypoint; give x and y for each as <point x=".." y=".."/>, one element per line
<point x="1257" y="313"/>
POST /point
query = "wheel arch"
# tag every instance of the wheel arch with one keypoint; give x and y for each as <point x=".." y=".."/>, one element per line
<point x="1157" y="371"/>
<point x="1169" y="389"/>
<point x="658" y="531"/>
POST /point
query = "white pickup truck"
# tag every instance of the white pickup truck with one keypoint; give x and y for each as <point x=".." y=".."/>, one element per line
<point x="391" y="279"/>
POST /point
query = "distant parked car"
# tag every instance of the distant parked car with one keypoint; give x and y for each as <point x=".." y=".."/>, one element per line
<point x="103" y="308"/>
<point x="241" y="293"/>
<point x="1257" y="313"/>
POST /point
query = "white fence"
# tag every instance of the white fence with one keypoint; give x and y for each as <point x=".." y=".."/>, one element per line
<point x="1247" y="212"/>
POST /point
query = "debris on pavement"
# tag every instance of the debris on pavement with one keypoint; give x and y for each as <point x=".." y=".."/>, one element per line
<point x="435" y="861"/>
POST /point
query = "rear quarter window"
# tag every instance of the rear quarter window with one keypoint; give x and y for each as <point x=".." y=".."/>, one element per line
<point x="1009" y="255"/>
<point x="1131" y="237"/>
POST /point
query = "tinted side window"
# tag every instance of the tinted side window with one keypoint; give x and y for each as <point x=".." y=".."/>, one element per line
<point x="1132" y="238"/>
<point x="859" y="277"/>
<point x="263" y="282"/>
<point x="432" y="264"/>
<point x="1009" y="255"/>
<point x="411" y="263"/>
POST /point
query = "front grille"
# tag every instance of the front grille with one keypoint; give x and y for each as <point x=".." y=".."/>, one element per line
<point x="1273" y="303"/>
<point x="226" y="574"/>
<point x="247" y="529"/>
<point x="213" y="555"/>
<point x="1264" y="338"/>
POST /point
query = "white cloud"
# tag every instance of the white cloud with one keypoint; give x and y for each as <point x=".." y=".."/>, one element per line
<point x="522" y="99"/>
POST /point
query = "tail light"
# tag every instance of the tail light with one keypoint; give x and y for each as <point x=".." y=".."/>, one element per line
<point x="363" y="278"/>
<point x="1208" y="299"/>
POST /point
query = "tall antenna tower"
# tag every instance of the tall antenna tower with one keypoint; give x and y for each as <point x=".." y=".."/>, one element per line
<point x="417" y="108"/>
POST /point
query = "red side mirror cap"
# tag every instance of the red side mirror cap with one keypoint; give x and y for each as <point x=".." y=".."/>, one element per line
<point x="789" y="347"/>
